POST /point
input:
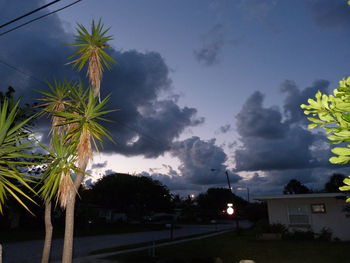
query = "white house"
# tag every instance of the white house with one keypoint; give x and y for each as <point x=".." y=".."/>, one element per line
<point x="310" y="212"/>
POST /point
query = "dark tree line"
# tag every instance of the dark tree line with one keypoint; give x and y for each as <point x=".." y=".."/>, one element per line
<point x="331" y="186"/>
<point x="126" y="193"/>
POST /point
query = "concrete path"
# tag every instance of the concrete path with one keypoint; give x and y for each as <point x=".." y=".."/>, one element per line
<point x="30" y="251"/>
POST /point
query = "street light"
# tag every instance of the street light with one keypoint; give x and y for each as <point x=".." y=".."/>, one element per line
<point x="230" y="210"/>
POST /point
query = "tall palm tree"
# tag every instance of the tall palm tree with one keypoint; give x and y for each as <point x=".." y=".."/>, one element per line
<point x="89" y="49"/>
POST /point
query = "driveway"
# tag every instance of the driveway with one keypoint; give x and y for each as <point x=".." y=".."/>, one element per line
<point x="30" y="251"/>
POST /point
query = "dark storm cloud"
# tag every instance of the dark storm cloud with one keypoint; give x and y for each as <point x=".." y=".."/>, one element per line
<point x="146" y="123"/>
<point x="295" y="97"/>
<point x="330" y="14"/>
<point x="36" y="49"/>
<point x="213" y="43"/>
<point x="271" y="140"/>
<point x="290" y="151"/>
<point x="256" y="121"/>
<point x="202" y="162"/>
<point x="275" y="145"/>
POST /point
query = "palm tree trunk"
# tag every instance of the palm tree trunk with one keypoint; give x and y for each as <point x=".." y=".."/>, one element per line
<point x="0" y="253"/>
<point x="48" y="233"/>
<point x="69" y="223"/>
<point x="69" y="231"/>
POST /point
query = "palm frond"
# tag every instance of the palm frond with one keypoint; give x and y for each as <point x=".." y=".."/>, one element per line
<point x="14" y="147"/>
<point x="61" y="165"/>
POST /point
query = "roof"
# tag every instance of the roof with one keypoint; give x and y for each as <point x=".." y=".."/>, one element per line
<point x="296" y="196"/>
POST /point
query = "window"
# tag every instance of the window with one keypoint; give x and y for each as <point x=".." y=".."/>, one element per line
<point x="299" y="214"/>
<point x="318" y="208"/>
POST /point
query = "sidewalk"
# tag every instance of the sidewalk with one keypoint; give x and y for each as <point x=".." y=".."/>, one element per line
<point x="30" y="251"/>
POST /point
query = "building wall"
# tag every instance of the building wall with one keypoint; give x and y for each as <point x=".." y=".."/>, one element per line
<point x="335" y="217"/>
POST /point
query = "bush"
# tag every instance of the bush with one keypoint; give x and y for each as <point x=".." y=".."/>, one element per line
<point x="264" y="227"/>
<point x="325" y="234"/>
<point x="277" y="228"/>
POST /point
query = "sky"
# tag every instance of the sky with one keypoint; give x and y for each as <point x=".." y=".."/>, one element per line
<point x="202" y="86"/>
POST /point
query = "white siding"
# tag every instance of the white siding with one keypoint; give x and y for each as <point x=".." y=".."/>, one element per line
<point x="334" y="218"/>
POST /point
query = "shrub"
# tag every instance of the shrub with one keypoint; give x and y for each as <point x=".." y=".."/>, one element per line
<point x="277" y="228"/>
<point x="264" y="227"/>
<point x="325" y="234"/>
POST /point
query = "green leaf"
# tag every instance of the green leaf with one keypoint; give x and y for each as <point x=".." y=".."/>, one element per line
<point x="341" y="151"/>
<point x="339" y="159"/>
<point x="344" y="188"/>
<point x="346" y="116"/>
<point x="346" y="181"/>
<point x="312" y="126"/>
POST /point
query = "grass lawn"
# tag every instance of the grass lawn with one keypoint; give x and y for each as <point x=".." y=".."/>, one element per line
<point x="17" y="235"/>
<point x="231" y="248"/>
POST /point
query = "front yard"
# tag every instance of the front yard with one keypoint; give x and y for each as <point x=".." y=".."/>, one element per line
<point x="231" y="248"/>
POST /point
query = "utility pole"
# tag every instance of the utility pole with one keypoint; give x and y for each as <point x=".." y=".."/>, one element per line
<point x="228" y="181"/>
<point x="227" y="177"/>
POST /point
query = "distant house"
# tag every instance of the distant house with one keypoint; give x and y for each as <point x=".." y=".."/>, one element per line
<point x="111" y="215"/>
<point x="310" y="212"/>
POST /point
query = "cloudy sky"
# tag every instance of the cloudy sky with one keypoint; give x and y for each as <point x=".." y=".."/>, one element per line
<point x="202" y="86"/>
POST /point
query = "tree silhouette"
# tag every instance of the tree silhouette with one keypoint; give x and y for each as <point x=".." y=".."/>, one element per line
<point x="295" y="187"/>
<point x="135" y="195"/>
<point x="334" y="182"/>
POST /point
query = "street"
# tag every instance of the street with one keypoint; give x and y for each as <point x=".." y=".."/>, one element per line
<point x="30" y="251"/>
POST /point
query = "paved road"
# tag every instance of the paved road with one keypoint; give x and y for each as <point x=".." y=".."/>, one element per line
<point x="30" y="251"/>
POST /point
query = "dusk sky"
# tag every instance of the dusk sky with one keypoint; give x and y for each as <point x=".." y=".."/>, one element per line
<point x="199" y="84"/>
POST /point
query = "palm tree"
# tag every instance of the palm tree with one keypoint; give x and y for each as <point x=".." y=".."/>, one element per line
<point x="54" y="100"/>
<point x="90" y="49"/>
<point x="15" y="143"/>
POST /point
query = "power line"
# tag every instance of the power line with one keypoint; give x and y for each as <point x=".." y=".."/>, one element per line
<point x="146" y="136"/>
<point x="35" y="19"/>
<point x="22" y="72"/>
<point x="29" y="13"/>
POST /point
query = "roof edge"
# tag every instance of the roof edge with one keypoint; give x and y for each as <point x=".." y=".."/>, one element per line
<point x="296" y="196"/>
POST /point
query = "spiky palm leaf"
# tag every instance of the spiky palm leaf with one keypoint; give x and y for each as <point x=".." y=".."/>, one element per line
<point x="57" y="178"/>
<point x="85" y="115"/>
<point x="56" y="99"/>
<point x="14" y="144"/>
<point x="90" y="49"/>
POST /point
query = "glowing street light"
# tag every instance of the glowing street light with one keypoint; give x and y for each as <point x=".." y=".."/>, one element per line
<point x="230" y="211"/>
